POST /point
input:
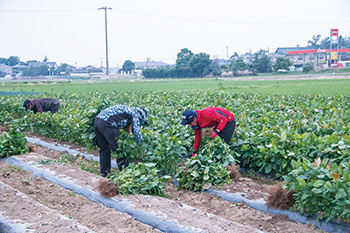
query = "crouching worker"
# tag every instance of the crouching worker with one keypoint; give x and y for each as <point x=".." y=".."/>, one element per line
<point x="107" y="125"/>
<point x="42" y="105"/>
<point x="220" y="120"/>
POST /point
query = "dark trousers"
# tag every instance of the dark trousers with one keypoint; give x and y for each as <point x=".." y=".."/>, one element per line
<point x="106" y="135"/>
<point x="55" y="107"/>
<point x="227" y="133"/>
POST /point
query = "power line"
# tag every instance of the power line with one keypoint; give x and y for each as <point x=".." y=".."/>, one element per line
<point x="45" y="11"/>
<point x="181" y="18"/>
<point x="227" y="22"/>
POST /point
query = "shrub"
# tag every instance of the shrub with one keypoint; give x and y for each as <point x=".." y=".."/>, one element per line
<point x="308" y="67"/>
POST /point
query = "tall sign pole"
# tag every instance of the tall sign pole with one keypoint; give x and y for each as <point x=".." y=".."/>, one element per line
<point x="334" y="43"/>
<point x="107" y="64"/>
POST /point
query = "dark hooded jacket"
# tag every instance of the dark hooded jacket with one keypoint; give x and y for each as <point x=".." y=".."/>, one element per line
<point x="45" y="105"/>
<point x="122" y="116"/>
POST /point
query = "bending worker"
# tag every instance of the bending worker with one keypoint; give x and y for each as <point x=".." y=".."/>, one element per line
<point x="107" y="125"/>
<point x="42" y="105"/>
<point x="220" y="120"/>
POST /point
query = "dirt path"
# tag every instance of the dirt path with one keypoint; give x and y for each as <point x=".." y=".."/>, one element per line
<point x="195" y="211"/>
<point x="88" y="213"/>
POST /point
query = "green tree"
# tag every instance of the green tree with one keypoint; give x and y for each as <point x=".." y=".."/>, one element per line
<point x="324" y="43"/>
<point x="308" y="67"/>
<point x="36" y="71"/>
<point x="215" y="69"/>
<point x="3" y="60"/>
<point x="128" y="66"/>
<point x="225" y="67"/>
<point x="199" y="64"/>
<point x="183" y="58"/>
<point x="282" y="63"/>
<point x="344" y="42"/>
<point x="262" y="64"/>
<point x="64" y="67"/>
<point x="238" y="65"/>
<point x="13" y="60"/>
<point x="313" y="43"/>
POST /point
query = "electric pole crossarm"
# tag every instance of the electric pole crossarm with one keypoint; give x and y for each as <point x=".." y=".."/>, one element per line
<point x="107" y="64"/>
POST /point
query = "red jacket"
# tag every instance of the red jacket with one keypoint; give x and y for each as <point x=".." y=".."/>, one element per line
<point x="208" y="118"/>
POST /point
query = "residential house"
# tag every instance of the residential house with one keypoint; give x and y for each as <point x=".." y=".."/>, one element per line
<point x="38" y="64"/>
<point x="86" y="71"/>
<point x="150" y="64"/>
<point x="17" y="70"/>
<point x="5" y="70"/>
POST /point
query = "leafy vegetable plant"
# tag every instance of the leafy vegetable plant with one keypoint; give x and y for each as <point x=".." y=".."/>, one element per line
<point x="140" y="179"/>
<point x="321" y="188"/>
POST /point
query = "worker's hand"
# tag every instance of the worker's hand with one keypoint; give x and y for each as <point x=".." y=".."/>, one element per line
<point x="208" y="132"/>
<point x="215" y="133"/>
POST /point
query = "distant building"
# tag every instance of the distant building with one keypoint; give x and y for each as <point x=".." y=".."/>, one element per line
<point x="5" y="70"/>
<point x="150" y="64"/>
<point x="315" y="56"/>
<point x="222" y="61"/>
<point x="86" y="71"/>
<point x="17" y="70"/>
<point x="36" y="64"/>
<point x="283" y="52"/>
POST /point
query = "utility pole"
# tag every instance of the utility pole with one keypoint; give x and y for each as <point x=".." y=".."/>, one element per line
<point x="227" y="52"/>
<point x="106" y="8"/>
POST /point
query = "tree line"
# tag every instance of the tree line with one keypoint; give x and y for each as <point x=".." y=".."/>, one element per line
<point x="190" y="65"/>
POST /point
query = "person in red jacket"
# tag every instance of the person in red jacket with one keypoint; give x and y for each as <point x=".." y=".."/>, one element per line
<point x="221" y="120"/>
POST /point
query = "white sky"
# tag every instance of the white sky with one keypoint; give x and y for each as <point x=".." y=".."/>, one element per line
<point x="73" y="31"/>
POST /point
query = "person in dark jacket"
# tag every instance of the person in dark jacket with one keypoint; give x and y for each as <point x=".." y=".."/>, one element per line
<point x="107" y="125"/>
<point x="42" y="105"/>
<point x="221" y="120"/>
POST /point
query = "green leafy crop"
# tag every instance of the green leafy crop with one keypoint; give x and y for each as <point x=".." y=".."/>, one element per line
<point x="140" y="179"/>
<point x="321" y="188"/>
<point x="13" y="143"/>
<point x="208" y="168"/>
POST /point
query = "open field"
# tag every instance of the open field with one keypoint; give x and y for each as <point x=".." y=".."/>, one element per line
<point x="333" y="85"/>
<point x="300" y="136"/>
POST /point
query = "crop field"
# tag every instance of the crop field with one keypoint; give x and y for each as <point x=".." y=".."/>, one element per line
<point x="294" y="132"/>
<point x="283" y="86"/>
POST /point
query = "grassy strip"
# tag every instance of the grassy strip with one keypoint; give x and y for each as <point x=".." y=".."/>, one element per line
<point x="324" y="86"/>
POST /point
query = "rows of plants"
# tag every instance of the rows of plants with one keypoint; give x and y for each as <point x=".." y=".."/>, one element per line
<point x="272" y="130"/>
<point x="12" y="142"/>
<point x="274" y="133"/>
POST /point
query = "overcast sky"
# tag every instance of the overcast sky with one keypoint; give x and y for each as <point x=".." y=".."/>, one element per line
<point x="73" y="31"/>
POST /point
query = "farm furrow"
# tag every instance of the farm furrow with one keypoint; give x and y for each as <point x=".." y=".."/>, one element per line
<point x="239" y="197"/>
<point x="237" y="212"/>
<point x="164" y="214"/>
<point x="35" y="217"/>
<point x="95" y="216"/>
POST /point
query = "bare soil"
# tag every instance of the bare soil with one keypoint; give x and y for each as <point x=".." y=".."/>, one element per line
<point x="200" y="211"/>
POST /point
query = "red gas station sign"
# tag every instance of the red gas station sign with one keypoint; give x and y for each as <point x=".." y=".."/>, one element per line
<point x="334" y="32"/>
